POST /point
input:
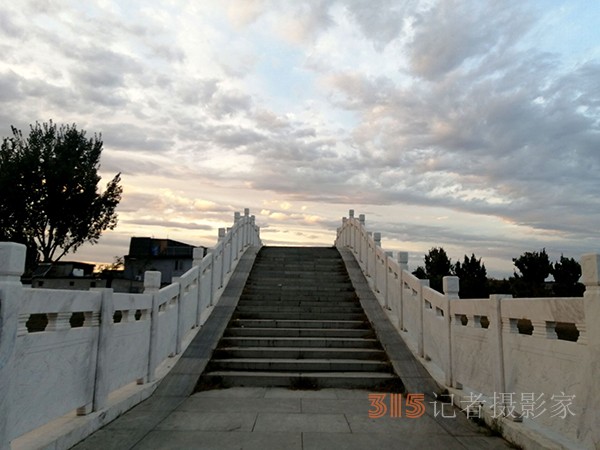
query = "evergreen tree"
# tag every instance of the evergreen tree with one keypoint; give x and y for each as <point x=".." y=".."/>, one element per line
<point x="473" y="278"/>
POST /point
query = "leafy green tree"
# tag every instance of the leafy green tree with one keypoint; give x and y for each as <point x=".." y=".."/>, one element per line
<point x="473" y="278"/>
<point x="534" y="268"/>
<point x="566" y="273"/>
<point x="49" y="199"/>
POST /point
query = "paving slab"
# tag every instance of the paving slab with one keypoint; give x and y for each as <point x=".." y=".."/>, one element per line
<point x="332" y="423"/>
<point x="225" y="404"/>
<point x="213" y="440"/>
<point x="380" y="441"/>
<point x="289" y="393"/>
<point x="208" y="421"/>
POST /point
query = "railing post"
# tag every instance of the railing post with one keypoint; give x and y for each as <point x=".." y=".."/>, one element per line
<point x="198" y="255"/>
<point x="105" y="336"/>
<point x="180" y="318"/>
<point x="590" y="277"/>
<point x="496" y="340"/>
<point x="152" y="286"/>
<point x="12" y="265"/>
<point x="368" y="255"/>
<point x="352" y="236"/>
<point x="211" y="284"/>
<point x="363" y="237"/>
<point x="377" y="242"/>
<point x="255" y="233"/>
<point x="403" y="263"/>
<point x="420" y="333"/>
<point x="230" y="232"/>
<point x="246" y="238"/>
<point x="350" y="224"/>
<point x="222" y="256"/>
<point x="386" y="280"/>
<point x="451" y="287"/>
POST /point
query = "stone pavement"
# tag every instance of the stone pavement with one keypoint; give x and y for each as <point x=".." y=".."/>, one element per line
<point x="279" y="418"/>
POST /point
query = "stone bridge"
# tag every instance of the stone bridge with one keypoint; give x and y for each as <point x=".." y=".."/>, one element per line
<point x="277" y="347"/>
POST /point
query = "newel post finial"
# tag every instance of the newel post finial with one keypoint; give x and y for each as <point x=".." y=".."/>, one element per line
<point x="12" y="261"/>
<point x="377" y="238"/>
<point x="351" y="214"/>
<point x="403" y="260"/>
<point x="590" y="270"/>
<point x="451" y="286"/>
<point x="361" y="219"/>
<point x="152" y="279"/>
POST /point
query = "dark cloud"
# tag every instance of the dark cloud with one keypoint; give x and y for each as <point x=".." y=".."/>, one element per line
<point x="169" y="224"/>
<point x="454" y="32"/>
<point x="10" y="85"/>
<point x="229" y="136"/>
<point x="8" y="27"/>
<point x="383" y="23"/>
<point x="128" y="136"/>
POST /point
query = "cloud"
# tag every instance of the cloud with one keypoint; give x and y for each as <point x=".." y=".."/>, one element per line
<point x="453" y="33"/>
<point x="466" y="108"/>
<point x="169" y="224"/>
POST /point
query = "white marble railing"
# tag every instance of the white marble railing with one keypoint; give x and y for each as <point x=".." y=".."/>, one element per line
<point x="479" y="349"/>
<point x="120" y="340"/>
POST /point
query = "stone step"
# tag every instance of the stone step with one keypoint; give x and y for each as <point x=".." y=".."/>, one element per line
<point x="315" y="296"/>
<point x="299" y="365"/>
<point x="300" y="287"/>
<point x="374" y="354"/>
<point x="285" y="307"/>
<point x="300" y="332"/>
<point x="328" y="342"/>
<point x="306" y="301"/>
<point x="303" y="380"/>
<point x="289" y="315"/>
<point x="299" y="277"/>
<point x="299" y="324"/>
<point x="269" y="323"/>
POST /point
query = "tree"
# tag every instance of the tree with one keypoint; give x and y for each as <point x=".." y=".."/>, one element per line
<point x="420" y="273"/>
<point x="535" y="268"/>
<point x="437" y="266"/>
<point x="566" y="273"/>
<point x="49" y="199"/>
<point x="473" y="278"/>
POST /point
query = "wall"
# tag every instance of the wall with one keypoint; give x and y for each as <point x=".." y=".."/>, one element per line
<point x="97" y="343"/>
<point x="476" y="347"/>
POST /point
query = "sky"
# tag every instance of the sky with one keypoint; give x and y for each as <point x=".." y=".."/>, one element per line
<point x="472" y="125"/>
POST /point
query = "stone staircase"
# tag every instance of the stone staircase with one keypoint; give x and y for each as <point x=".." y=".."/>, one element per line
<point x="299" y="324"/>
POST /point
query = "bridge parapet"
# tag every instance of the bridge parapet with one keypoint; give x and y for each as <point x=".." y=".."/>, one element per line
<point x="528" y="365"/>
<point x="66" y="352"/>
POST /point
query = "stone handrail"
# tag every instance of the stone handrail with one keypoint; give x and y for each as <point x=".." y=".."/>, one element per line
<point x="121" y="339"/>
<point x="505" y="355"/>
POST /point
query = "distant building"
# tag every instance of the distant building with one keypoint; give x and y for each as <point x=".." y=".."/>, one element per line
<point x="66" y="275"/>
<point x="171" y="258"/>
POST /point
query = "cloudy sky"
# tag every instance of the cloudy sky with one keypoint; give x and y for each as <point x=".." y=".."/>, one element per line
<point x="472" y="125"/>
